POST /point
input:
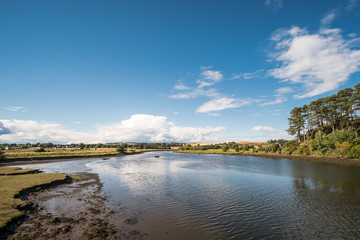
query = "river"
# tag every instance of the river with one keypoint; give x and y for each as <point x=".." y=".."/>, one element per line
<point x="190" y="196"/>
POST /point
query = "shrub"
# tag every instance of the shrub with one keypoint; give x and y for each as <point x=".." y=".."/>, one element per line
<point x="39" y="150"/>
<point x="225" y="148"/>
<point x="2" y="157"/>
<point x="302" y="150"/>
<point x="354" y="152"/>
<point x="343" y="147"/>
<point x="289" y="147"/>
<point x="120" y="149"/>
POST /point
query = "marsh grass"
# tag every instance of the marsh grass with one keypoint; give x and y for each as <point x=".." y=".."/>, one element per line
<point x="57" y="153"/>
<point x="16" y="154"/>
<point x="16" y="171"/>
<point x="12" y="186"/>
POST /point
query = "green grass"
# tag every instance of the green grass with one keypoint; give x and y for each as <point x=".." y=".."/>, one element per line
<point x="15" y="170"/>
<point x="57" y="153"/>
<point x="63" y="153"/>
<point x="10" y="188"/>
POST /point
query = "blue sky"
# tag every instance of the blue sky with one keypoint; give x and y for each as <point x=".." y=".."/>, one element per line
<point x="109" y="71"/>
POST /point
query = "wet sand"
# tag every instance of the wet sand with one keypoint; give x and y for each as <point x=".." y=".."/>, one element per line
<point x="73" y="211"/>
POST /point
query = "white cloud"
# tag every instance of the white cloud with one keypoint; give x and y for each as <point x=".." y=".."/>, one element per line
<point x="276" y="101"/>
<point x="256" y="74"/>
<point x="198" y="92"/>
<point x="328" y="19"/>
<point x="263" y="129"/>
<point x="218" y="104"/>
<point x="320" y="62"/>
<point x="279" y="94"/>
<point x="78" y="122"/>
<point x="181" y="87"/>
<point x="283" y="90"/>
<point x="33" y="131"/>
<point x="139" y="127"/>
<point x="212" y="75"/>
<point x="15" y="109"/>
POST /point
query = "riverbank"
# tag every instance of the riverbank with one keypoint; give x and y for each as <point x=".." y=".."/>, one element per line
<point x="333" y="160"/>
<point x="18" y="157"/>
<point x="15" y="184"/>
<point x="61" y="207"/>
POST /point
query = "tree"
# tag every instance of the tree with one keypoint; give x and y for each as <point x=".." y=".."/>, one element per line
<point x="296" y="122"/>
<point x="120" y="150"/>
<point x="81" y="145"/>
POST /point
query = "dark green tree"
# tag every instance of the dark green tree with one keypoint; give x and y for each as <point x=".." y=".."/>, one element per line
<point x="296" y="122"/>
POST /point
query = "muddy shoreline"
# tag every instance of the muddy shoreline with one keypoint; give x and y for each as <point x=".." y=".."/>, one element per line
<point x="75" y="210"/>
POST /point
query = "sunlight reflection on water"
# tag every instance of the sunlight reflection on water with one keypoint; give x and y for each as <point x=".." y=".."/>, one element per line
<point x="188" y="196"/>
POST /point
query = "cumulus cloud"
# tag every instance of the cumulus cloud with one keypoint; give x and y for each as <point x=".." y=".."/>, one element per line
<point x="3" y="129"/>
<point x="218" y="104"/>
<point x="263" y="128"/>
<point x="15" y="109"/>
<point x="139" y="128"/>
<point x="320" y="62"/>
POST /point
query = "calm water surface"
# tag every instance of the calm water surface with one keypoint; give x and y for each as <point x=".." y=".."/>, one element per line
<point x="189" y="196"/>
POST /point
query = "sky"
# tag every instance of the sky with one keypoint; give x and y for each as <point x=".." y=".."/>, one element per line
<point x="169" y="71"/>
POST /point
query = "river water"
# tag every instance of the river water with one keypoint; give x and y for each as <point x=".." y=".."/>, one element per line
<point x="190" y="196"/>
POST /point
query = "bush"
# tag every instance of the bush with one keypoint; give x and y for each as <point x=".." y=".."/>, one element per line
<point x="225" y="148"/>
<point x="40" y="150"/>
<point x="354" y="152"/>
<point x="302" y="150"/>
<point x="289" y="147"/>
<point x="343" y="147"/>
<point x="120" y="149"/>
<point x="2" y="157"/>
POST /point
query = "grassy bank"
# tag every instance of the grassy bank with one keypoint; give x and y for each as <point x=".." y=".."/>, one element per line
<point x="314" y="158"/>
<point x="57" y="153"/>
<point x="31" y="154"/>
<point x="12" y="186"/>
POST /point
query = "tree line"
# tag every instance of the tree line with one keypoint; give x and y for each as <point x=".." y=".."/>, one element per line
<point x="88" y="146"/>
<point x="328" y="126"/>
